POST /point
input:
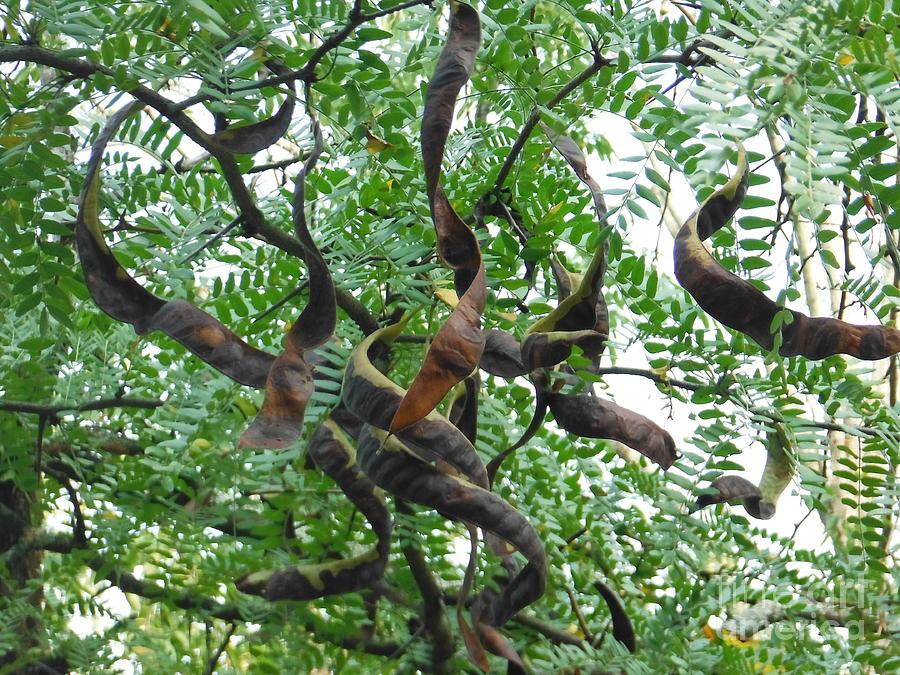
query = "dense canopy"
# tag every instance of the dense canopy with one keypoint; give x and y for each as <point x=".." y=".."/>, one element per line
<point x="363" y="336"/>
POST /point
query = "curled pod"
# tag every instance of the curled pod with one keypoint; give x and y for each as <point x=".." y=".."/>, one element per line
<point x="581" y="318"/>
<point x="374" y="398"/>
<point x="118" y="294"/>
<point x="333" y="452"/>
<point x="289" y="385"/>
<point x="743" y="307"/>
<point x="622" y="629"/>
<point x="732" y="489"/>
<point x="541" y="405"/>
<point x="459" y="343"/>
<point x="464" y="407"/>
<point x="777" y="474"/>
<point x="759" y="501"/>
<point x="566" y="281"/>
<point x="396" y="469"/>
<point x="502" y="355"/>
<point x="592" y="417"/>
<point x="573" y="155"/>
<point x="252" y="138"/>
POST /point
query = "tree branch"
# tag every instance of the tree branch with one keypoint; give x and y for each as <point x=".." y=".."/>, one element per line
<point x="78" y="526"/>
<point x="100" y="404"/>
<point x="353" y="307"/>
<point x="691" y="386"/>
<point x="535" y="117"/>
<point x="650" y="375"/>
<point x="254" y="221"/>
<point x="191" y="601"/>
<point x="214" y="659"/>
<point x="85" y="69"/>
<point x="396" y="8"/>
<point x="553" y="633"/>
<point x="433" y="614"/>
<point x="307" y="73"/>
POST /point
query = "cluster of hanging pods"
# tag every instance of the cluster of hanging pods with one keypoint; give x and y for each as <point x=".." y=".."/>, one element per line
<point x="382" y="436"/>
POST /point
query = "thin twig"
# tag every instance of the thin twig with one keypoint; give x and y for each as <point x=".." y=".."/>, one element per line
<point x="100" y="404"/>
<point x="579" y="615"/>
<point x="214" y="659"/>
<point x="535" y="117"/>
<point x="433" y="615"/>
<point x="225" y="230"/>
<point x="281" y="303"/>
<point x="307" y="73"/>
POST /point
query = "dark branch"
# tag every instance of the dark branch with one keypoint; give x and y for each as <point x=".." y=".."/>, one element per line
<point x="535" y="117"/>
<point x="85" y="69"/>
<point x="553" y="633"/>
<point x="692" y="386"/>
<point x="214" y="659"/>
<point x="78" y="527"/>
<point x="353" y="307"/>
<point x="650" y="375"/>
<point x="101" y="404"/>
<point x="396" y="8"/>
<point x="190" y="601"/>
<point x="433" y="614"/>
<point x="308" y="72"/>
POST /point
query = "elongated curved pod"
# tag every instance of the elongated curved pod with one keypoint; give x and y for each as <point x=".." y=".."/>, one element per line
<point x="118" y="294"/>
<point x="372" y="397"/>
<point x="739" y="305"/>
<point x="457" y="348"/>
<point x="334" y="453"/>
<point x="394" y="467"/>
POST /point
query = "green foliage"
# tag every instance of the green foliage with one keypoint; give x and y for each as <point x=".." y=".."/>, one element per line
<point x="167" y="495"/>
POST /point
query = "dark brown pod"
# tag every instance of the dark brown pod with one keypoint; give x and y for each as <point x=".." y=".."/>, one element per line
<point x="758" y="501"/>
<point x="464" y="408"/>
<point x="743" y="307"/>
<point x="453" y="355"/>
<point x="124" y="299"/>
<point x="396" y="469"/>
<point x="252" y="138"/>
<point x="543" y="350"/>
<point x="372" y="397"/>
<point x="737" y="489"/>
<point x="289" y="386"/>
<point x="333" y="453"/>
<point x="541" y="404"/>
<point x="549" y="340"/>
<point x="623" y="631"/>
<point x="502" y="355"/>
<point x="581" y="318"/>
<point x="592" y="417"/>
<point x="458" y="345"/>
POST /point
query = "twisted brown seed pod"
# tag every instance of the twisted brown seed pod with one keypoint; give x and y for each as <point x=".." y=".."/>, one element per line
<point x="124" y="299"/>
<point x="333" y="452"/>
<point x="395" y="468"/>
<point x="593" y="417"/>
<point x="372" y="397"/>
<point x="581" y="318"/>
<point x="458" y="345"/>
<point x="290" y="383"/>
<point x="759" y="501"/>
<point x="743" y="307"/>
<point x="252" y="138"/>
